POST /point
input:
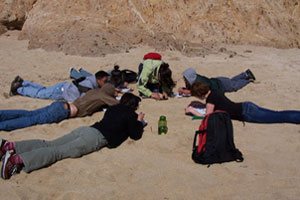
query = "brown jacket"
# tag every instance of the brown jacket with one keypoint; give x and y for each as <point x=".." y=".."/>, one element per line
<point x="94" y="99"/>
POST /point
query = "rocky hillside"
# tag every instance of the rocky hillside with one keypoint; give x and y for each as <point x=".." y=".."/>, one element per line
<point x="98" y="27"/>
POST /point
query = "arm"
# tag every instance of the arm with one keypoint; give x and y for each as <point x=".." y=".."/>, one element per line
<point x="190" y="109"/>
<point x="135" y="126"/>
<point x="209" y="108"/>
<point x="184" y="91"/>
<point x="111" y="101"/>
<point x="135" y="129"/>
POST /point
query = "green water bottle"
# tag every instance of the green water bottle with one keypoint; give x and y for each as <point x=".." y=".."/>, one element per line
<point x="162" y="125"/>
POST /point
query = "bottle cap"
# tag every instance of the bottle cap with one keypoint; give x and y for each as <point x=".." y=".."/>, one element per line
<point x="162" y="117"/>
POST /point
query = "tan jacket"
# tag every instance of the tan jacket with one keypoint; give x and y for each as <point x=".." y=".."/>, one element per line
<point x="94" y="99"/>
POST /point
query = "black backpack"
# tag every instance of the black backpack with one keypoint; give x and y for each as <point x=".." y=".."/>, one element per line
<point x="118" y="77"/>
<point x="129" y="76"/>
<point x="215" y="143"/>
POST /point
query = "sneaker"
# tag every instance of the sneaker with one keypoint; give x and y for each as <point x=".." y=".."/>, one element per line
<point x="250" y="75"/>
<point x="9" y="167"/>
<point x="2" y="151"/>
<point x="15" y="84"/>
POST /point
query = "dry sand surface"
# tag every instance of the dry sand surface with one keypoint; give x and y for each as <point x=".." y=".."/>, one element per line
<point x="160" y="167"/>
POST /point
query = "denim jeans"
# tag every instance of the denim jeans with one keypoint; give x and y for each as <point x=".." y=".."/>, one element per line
<point x="16" y="119"/>
<point x="79" y="74"/>
<point x="256" y="114"/>
<point x="35" y="90"/>
<point x="40" y="153"/>
<point x="237" y="82"/>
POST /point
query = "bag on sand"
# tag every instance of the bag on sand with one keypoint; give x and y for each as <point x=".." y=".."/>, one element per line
<point x="129" y="76"/>
<point x="118" y="77"/>
<point x="215" y="140"/>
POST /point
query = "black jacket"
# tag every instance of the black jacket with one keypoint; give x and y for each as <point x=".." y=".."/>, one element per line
<point x="119" y="123"/>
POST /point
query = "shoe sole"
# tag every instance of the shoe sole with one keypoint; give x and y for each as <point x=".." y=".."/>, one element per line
<point x="6" y="157"/>
<point x="0" y="149"/>
<point x="251" y="75"/>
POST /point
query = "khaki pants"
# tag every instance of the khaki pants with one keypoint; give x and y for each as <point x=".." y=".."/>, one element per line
<point x="40" y="153"/>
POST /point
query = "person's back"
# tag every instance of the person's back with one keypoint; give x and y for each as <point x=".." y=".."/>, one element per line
<point x="95" y="99"/>
<point x="64" y="90"/>
<point x="222" y="84"/>
<point x="120" y="122"/>
<point x="71" y="91"/>
<point x="149" y="74"/>
<point x="192" y="77"/>
<point x="155" y="77"/>
<point x="213" y="83"/>
<point x="124" y="122"/>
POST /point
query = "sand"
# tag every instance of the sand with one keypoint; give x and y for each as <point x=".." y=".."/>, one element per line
<point x="160" y="167"/>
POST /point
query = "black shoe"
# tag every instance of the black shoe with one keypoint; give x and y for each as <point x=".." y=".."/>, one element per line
<point x="15" y="84"/>
<point x="250" y="75"/>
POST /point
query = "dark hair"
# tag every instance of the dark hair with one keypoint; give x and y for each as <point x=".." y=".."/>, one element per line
<point x="116" y="76"/>
<point x="129" y="99"/>
<point x="199" y="89"/>
<point x="165" y="75"/>
<point x="100" y="74"/>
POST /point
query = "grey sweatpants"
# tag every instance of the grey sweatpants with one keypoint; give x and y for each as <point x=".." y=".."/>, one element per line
<point x="40" y="153"/>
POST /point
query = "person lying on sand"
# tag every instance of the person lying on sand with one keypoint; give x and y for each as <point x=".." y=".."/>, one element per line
<point x="118" y="123"/>
<point x="244" y="111"/>
<point x="223" y="84"/>
<point x="92" y="102"/>
<point x="69" y="91"/>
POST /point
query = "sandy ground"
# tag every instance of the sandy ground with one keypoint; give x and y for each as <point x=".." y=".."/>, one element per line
<point x="160" y="167"/>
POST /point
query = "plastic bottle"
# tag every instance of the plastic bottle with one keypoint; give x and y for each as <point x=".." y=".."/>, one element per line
<point x="162" y="125"/>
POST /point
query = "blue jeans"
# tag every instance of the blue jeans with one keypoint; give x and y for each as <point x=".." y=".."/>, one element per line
<point x="35" y="90"/>
<point x="256" y="114"/>
<point x="237" y="82"/>
<point x="16" y="119"/>
<point x="79" y="74"/>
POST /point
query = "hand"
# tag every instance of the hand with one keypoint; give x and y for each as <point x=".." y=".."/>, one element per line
<point x="141" y="116"/>
<point x="189" y="109"/>
<point x="180" y="90"/>
<point x="165" y="95"/>
<point x="185" y="91"/>
<point x="155" y="96"/>
<point x="116" y="93"/>
<point x="125" y="84"/>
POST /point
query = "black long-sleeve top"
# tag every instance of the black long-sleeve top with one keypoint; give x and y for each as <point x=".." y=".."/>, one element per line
<point x="119" y="123"/>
